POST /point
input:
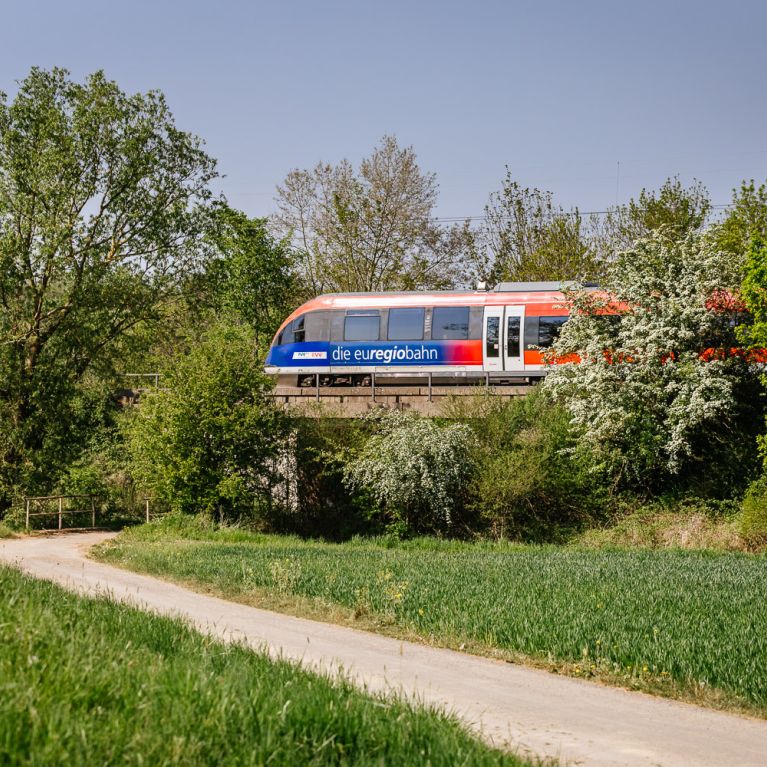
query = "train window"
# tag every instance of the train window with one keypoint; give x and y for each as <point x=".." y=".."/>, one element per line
<point x="299" y="330"/>
<point x="450" y="322"/>
<point x="406" y="324"/>
<point x="512" y="337"/>
<point x="318" y="326"/>
<point x="293" y="332"/>
<point x="492" y="344"/>
<point x="548" y="330"/>
<point x="362" y="326"/>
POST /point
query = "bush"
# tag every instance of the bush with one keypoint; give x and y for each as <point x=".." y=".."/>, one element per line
<point x="528" y="483"/>
<point x="416" y="470"/>
<point x="659" y="399"/>
<point x="211" y="441"/>
<point x="753" y="522"/>
<point x="325" y="506"/>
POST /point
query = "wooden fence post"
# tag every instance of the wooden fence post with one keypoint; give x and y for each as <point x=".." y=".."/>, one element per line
<point x="93" y="511"/>
<point x="61" y="508"/>
<point x="27" y="513"/>
<point x="147" y="509"/>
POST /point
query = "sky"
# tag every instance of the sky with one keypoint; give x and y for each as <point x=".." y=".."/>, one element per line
<point x="590" y="100"/>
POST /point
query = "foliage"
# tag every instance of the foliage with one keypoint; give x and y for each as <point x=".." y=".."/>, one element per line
<point x="753" y="523"/>
<point x="366" y="231"/>
<point x="753" y="292"/>
<point x="745" y="220"/>
<point x="673" y="622"/>
<point x="677" y="210"/>
<point x="325" y="507"/>
<point x="415" y="470"/>
<point x="525" y="237"/>
<point x="131" y="688"/>
<point x="211" y="441"/>
<point x="102" y="470"/>
<point x="102" y="203"/>
<point x="250" y="275"/>
<point x="651" y="405"/>
<point x="668" y="522"/>
<point x="527" y="483"/>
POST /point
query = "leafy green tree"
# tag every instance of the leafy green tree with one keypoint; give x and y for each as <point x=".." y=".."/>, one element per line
<point x="102" y="205"/>
<point x="250" y="275"/>
<point x="528" y="483"/>
<point x="745" y="220"/>
<point x="754" y="294"/>
<point x="526" y="237"/>
<point x="676" y="209"/>
<point x="652" y="406"/>
<point x="210" y="440"/>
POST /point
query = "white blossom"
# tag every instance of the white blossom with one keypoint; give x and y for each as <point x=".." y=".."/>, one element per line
<point x="644" y="396"/>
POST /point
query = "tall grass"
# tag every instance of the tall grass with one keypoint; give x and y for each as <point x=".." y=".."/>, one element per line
<point x="91" y="682"/>
<point x="677" y="622"/>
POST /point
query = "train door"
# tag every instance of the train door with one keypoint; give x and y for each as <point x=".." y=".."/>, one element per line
<point x="492" y="343"/>
<point x="502" y="339"/>
<point x="513" y="349"/>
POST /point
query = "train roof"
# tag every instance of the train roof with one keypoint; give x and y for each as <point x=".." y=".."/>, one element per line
<point x="524" y="292"/>
<point x="532" y="287"/>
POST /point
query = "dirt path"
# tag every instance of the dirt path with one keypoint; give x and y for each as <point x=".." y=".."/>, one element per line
<point x="533" y="711"/>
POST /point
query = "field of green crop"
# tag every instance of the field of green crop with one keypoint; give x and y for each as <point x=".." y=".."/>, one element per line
<point x="90" y="682"/>
<point x="681" y="623"/>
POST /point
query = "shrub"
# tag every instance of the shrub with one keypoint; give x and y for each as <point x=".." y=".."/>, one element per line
<point x="211" y="441"/>
<point x="650" y="410"/>
<point x="753" y="522"/>
<point x="528" y="483"/>
<point x="416" y="470"/>
<point x="322" y="505"/>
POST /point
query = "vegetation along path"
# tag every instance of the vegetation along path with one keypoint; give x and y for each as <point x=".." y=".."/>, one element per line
<point x="527" y="709"/>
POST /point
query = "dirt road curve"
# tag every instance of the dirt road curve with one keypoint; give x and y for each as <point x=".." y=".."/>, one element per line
<point x="533" y="711"/>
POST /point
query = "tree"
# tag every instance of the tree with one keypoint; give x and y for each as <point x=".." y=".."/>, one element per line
<point x="366" y="231"/>
<point x="754" y="294"/>
<point x="526" y="237"/>
<point x="660" y="394"/>
<point x="250" y="275"/>
<point x="746" y="219"/>
<point x="210" y="440"/>
<point x="102" y="202"/>
<point x="678" y="210"/>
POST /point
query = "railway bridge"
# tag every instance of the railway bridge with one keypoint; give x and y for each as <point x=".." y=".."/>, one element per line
<point x="348" y="401"/>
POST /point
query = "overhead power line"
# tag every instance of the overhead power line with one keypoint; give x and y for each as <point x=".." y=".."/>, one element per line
<point x="484" y="217"/>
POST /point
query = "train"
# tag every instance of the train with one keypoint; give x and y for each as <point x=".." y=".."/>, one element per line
<point x="451" y="337"/>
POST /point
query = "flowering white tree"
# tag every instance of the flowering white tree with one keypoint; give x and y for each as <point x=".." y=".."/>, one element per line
<point x="415" y="469"/>
<point x="649" y="396"/>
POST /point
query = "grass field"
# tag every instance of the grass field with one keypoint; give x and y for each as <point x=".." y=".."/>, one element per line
<point x="679" y="623"/>
<point x="90" y="682"/>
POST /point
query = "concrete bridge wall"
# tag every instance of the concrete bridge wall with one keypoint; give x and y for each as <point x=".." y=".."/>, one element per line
<point x="344" y="402"/>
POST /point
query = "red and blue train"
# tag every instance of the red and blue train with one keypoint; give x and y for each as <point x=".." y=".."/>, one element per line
<point x="350" y="338"/>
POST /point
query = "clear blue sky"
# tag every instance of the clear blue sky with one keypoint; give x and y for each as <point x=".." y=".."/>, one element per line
<point x="560" y="91"/>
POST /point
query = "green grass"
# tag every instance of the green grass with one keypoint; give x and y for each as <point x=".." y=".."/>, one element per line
<point x="91" y="682"/>
<point x="680" y="623"/>
<point x="680" y="527"/>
